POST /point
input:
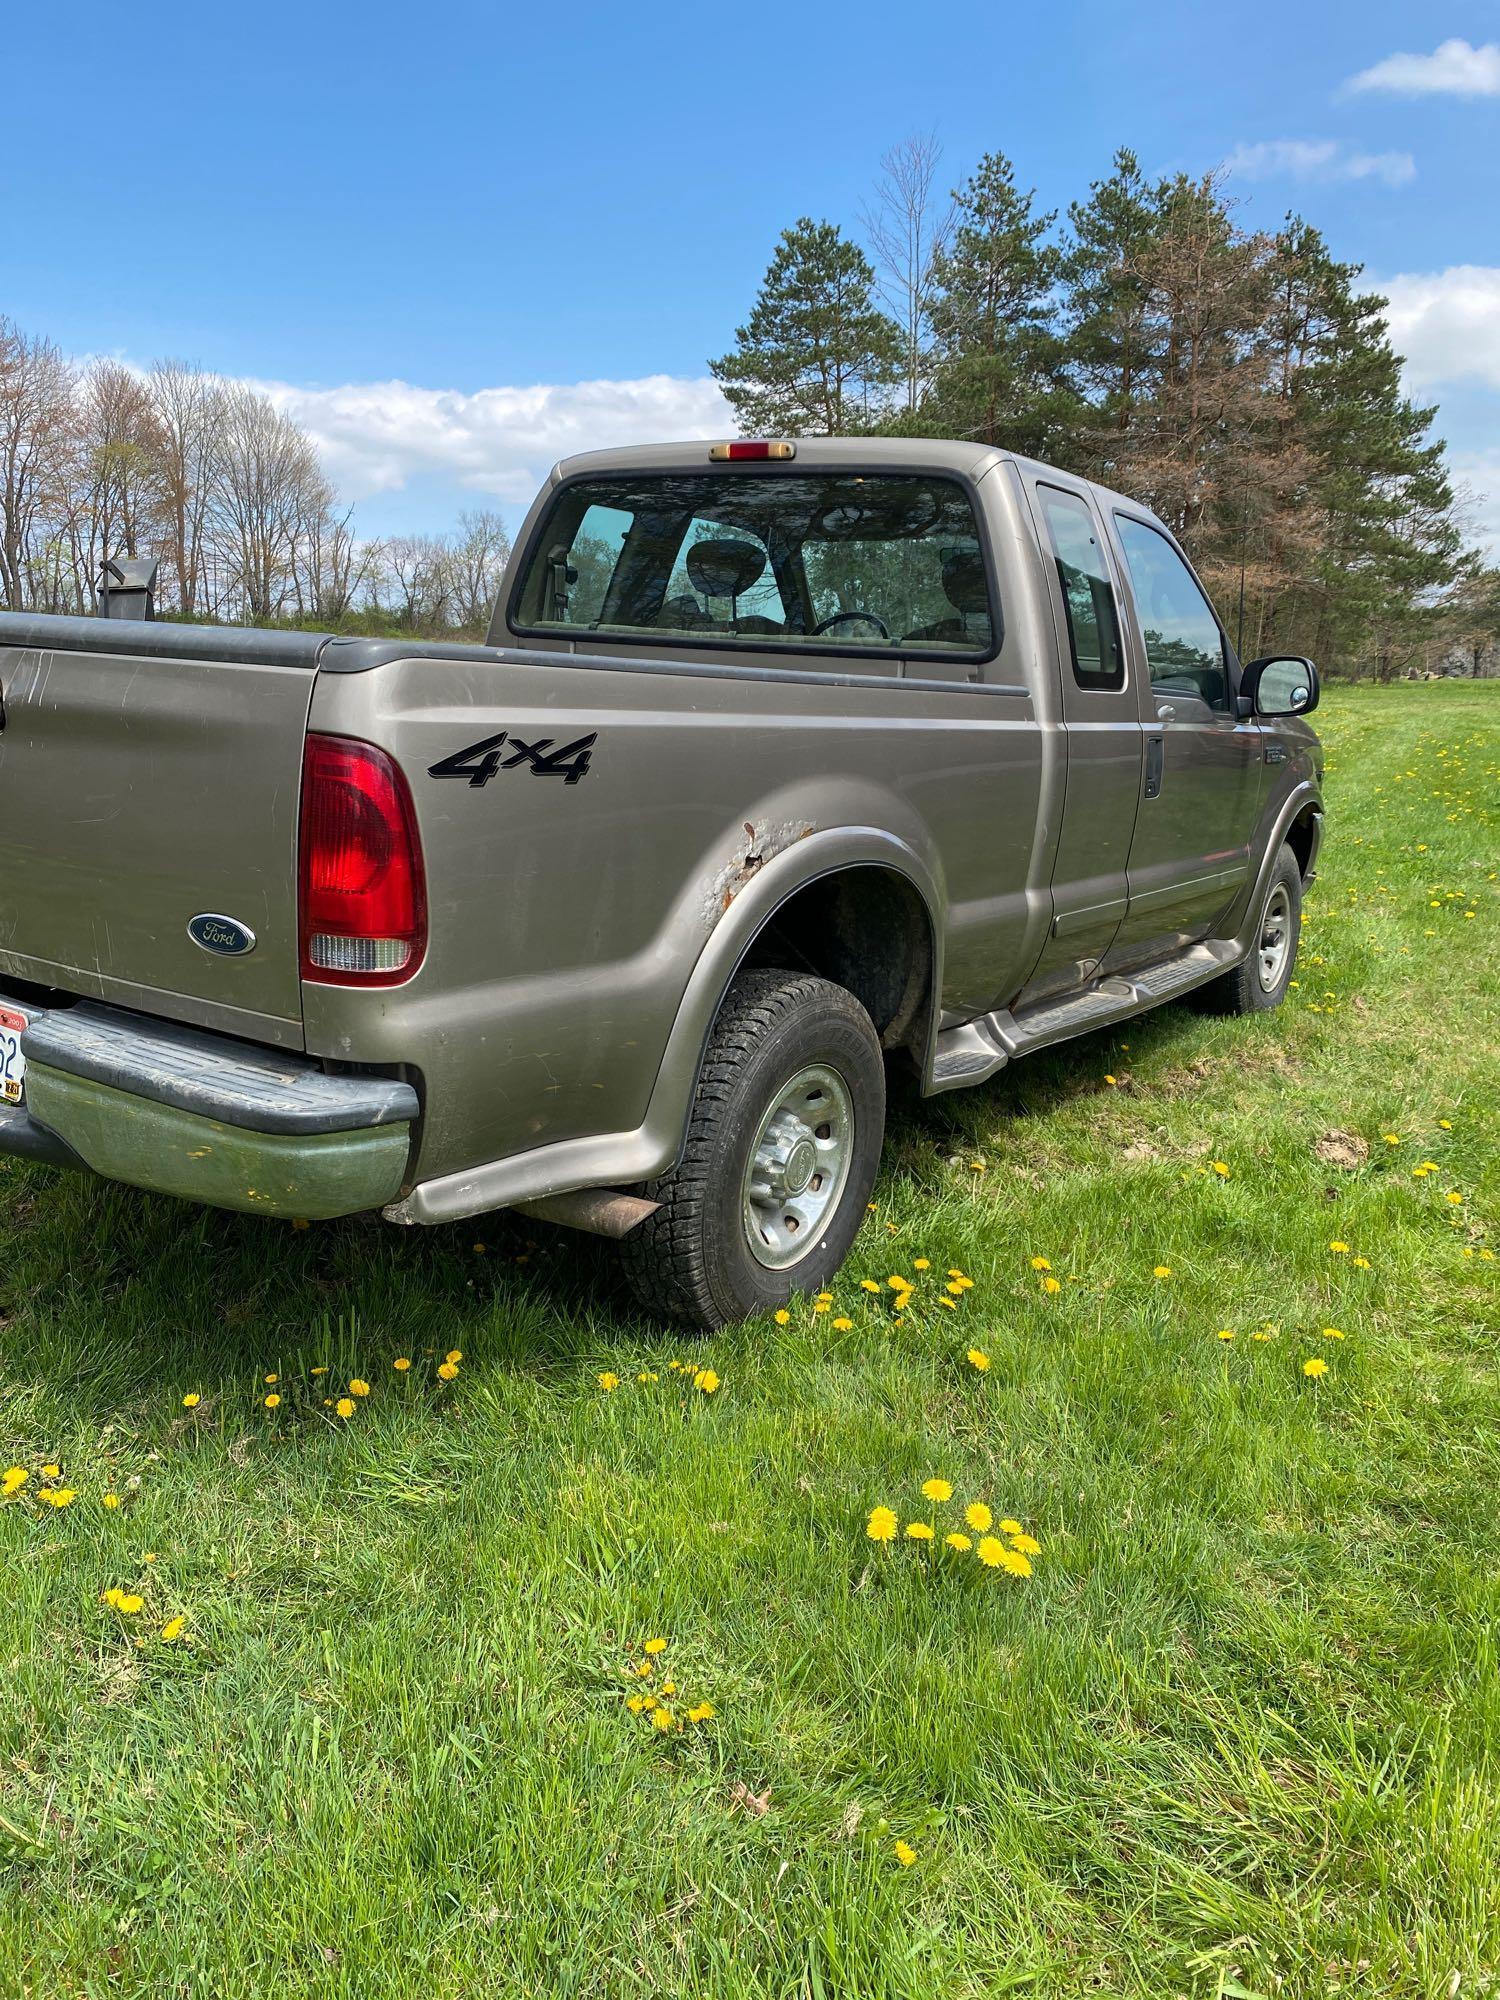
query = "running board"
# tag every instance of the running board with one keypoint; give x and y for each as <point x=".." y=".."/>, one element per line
<point x="974" y="1051"/>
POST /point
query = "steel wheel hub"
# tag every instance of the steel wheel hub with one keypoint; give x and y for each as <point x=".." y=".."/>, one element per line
<point x="1275" y="937"/>
<point x="798" y="1166"/>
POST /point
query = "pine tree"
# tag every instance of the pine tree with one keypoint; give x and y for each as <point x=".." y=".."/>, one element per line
<point x="998" y="376"/>
<point x="1110" y="351"/>
<point x="1378" y="488"/>
<point x="816" y="356"/>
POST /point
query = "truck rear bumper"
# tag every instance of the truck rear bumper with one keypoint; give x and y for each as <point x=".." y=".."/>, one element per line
<point x="196" y="1115"/>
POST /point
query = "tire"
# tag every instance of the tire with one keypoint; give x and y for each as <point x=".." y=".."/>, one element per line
<point x="1260" y="980"/>
<point x="726" y="1245"/>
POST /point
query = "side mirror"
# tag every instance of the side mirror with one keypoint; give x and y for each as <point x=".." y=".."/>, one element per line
<point x="1285" y="684"/>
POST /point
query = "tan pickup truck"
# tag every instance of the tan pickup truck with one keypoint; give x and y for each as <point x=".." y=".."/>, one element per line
<point x="782" y="761"/>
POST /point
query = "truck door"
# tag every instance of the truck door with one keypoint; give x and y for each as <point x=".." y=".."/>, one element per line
<point x="1102" y="730"/>
<point x="1201" y="794"/>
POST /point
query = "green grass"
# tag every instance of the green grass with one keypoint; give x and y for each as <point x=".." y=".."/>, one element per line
<point x="1237" y="1733"/>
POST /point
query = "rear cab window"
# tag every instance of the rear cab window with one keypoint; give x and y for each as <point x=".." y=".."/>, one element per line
<point x="889" y="564"/>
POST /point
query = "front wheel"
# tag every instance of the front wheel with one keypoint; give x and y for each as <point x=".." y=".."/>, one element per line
<point x="781" y="1155"/>
<point x="1261" y="978"/>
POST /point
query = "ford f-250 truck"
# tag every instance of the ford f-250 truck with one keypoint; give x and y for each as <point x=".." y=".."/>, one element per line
<point x="781" y="758"/>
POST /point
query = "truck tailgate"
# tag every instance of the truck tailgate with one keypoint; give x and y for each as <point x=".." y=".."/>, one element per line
<point x="141" y="787"/>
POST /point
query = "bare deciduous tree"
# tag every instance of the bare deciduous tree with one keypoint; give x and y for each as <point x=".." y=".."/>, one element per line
<point x="908" y="226"/>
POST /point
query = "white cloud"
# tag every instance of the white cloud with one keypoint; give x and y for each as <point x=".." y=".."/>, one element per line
<point x="1455" y="69"/>
<point x="375" y="436"/>
<point x="1447" y="323"/>
<point x="1318" y="159"/>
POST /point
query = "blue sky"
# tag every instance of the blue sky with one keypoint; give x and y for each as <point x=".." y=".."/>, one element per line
<point x="428" y="227"/>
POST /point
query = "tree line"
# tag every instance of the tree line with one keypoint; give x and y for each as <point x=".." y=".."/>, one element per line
<point x="1241" y="382"/>
<point x="222" y="487"/>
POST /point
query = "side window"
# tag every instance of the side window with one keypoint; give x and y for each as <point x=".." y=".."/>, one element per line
<point x="1184" y="646"/>
<point x="576" y="575"/>
<point x="1087" y="593"/>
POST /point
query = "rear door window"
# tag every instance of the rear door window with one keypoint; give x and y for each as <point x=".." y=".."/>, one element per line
<point x="1087" y="593"/>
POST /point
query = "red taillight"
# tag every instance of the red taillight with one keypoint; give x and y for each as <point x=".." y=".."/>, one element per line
<point x="363" y="902"/>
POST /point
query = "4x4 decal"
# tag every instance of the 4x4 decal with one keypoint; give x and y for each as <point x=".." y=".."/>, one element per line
<point x="480" y="761"/>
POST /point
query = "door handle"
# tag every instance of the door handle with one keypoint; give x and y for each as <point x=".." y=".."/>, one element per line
<point x="1152" y="788"/>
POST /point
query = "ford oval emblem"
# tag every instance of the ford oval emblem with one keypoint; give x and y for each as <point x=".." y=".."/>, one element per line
<point x="225" y="936"/>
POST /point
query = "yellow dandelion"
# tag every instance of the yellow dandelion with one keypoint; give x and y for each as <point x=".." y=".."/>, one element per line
<point x="1226" y="1333"/>
<point x="1041" y="1264"/>
<point x="951" y="1304"/>
<point x="1446" y="1123"/>
<point x="59" y="1496"/>
<point x="706" y="1381"/>
<point x="1010" y="1527"/>
<point x="111" y="1500"/>
<point x="842" y="1325"/>
<point x="1315" y="1367"/>
<point x="1220" y="1167"/>
<point x="191" y="1400"/>
<point x="447" y="1371"/>
<point x="1361" y="1263"/>
<point x="273" y="1401"/>
<point x="322" y="1370"/>
<point x="1453" y="1195"/>
<point x="455" y="1355"/>
<point x="271" y="1380"/>
<point x="607" y="1381"/>
<point x="642" y="1669"/>
<point x="128" y="1603"/>
<point x="14" y="1478"/>
<point x="704" y="1711"/>
<point x="1051" y="1286"/>
<point x="1391" y="1138"/>
<point x="1026" y="1545"/>
<point x="1332" y="1333"/>
<point x="959" y="1542"/>
<point x="661" y="1718"/>
<point x="936" y="1489"/>
<point x="921" y="1264"/>
<point x="1339" y="1249"/>
<point x="868" y="1285"/>
<point x="1013" y="1562"/>
<point x="991" y="1551"/>
<point x="636" y="1703"/>
<point x="979" y="1517"/>
<point x="822" y="1306"/>
<point x="1162" y="1271"/>
<point x="52" y="1472"/>
<point x="781" y="1316"/>
<point x="978" y="1359"/>
<point x="905" y="1855"/>
<point x="918" y="1531"/>
<point x="401" y="1363"/>
<point x="881" y="1526"/>
<point x="899" y="1284"/>
<point x="173" y="1629"/>
<point x="344" y="1407"/>
<point x="654" y="1646"/>
<point x="1110" y="1079"/>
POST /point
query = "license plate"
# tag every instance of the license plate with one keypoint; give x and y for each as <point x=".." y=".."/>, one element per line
<point x="12" y="1062"/>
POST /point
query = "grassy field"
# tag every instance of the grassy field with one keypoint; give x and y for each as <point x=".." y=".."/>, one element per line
<point x="1236" y="1733"/>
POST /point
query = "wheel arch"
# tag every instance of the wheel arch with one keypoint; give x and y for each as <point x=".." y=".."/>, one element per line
<point x="856" y="906"/>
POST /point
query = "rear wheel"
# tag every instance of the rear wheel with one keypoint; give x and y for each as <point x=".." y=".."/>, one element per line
<point x="1260" y="980"/>
<point x="781" y="1155"/>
